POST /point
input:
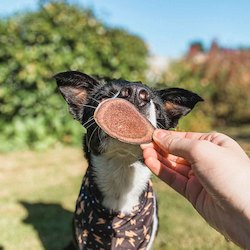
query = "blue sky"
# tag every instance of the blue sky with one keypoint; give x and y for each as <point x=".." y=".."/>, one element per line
<point x="168" y="26"/>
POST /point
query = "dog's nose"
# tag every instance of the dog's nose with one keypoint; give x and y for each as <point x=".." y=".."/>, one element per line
<point x="142" y="96"/>
<point x="136" y="94"/>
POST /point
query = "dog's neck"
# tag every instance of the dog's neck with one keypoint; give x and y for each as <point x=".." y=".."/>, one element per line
<point x="120" y="176"/>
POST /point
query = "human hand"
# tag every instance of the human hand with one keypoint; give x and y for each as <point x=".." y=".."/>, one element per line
<point x="211" y="171"/>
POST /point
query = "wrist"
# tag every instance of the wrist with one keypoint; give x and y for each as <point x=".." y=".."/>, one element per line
<point x="237" y="226"/>
<point x="240" y="231"/>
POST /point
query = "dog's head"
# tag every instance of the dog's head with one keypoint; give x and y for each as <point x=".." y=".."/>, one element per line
<point x="83" y="93"/>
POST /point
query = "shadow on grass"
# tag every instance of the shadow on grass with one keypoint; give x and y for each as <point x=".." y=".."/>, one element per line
<point x="52" y="223"/>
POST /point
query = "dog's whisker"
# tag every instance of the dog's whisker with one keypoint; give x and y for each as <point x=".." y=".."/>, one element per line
<point x="89" y="120"/>
<point x="115" y="95"/>
<point x="94" y="99"/>
<point x="90" y="138"/>
<point x="158" y="124"/>
<point x="98" y="133"/>
<point x="161" y="126"/>
<point x="89" y="106"/>
<point x="90" y="125"/>
<point x="111" y="92"/>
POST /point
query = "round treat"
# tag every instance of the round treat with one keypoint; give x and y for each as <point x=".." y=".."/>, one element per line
<point x="121" y="120"/>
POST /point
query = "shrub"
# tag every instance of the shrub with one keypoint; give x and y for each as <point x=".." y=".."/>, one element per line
<point x="222" y="78"/>
<point x="35" y="46"/>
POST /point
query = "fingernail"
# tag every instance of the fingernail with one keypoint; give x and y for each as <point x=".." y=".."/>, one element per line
<point x="158" y="138"/>
<point x="159" y="133"/>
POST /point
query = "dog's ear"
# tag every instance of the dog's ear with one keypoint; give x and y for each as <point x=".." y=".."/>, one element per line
<point x="178" y="102"/>
<point x="74" y="87"/>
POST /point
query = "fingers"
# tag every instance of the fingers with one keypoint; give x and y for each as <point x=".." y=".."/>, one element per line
<point x="147" y="145"/>
<point x="164" y="152"/>
<point x="176" y="143"/>
<point x="175" y="180"/>
<point x="178" y="159"/>
<point x="189" y="135"/>
<point x="153" y="145"/>
<point x="176" y="163"/>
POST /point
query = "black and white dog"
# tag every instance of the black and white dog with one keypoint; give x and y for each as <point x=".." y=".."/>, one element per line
<point x="116" y="207"/>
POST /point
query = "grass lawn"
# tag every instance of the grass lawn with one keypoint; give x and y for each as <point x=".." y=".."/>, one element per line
<point x="37" y="197"/>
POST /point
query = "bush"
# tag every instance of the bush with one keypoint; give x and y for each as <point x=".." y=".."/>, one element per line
<point x="222" y="78"/>
<point x="35" y="46"/>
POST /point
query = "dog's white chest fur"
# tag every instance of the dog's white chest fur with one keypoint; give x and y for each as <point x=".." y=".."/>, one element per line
<point x="120" y="176"/>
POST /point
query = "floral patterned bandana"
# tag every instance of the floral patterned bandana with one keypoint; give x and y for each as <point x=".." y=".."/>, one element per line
<point x="99" y="228"/>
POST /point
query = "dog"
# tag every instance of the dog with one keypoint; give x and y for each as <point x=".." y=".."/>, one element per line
<point x="116" y="207"/>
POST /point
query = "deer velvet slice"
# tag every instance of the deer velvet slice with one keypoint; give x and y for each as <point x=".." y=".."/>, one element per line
<point x="121" y="120"/>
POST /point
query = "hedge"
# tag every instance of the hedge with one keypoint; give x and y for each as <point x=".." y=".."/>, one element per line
<point x="36" y="45"/>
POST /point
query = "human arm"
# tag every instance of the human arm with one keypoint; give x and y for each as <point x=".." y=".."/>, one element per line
<point x="212" y="172"/>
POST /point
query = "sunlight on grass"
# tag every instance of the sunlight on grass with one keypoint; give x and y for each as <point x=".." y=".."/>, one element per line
<point x="37" y="197"/>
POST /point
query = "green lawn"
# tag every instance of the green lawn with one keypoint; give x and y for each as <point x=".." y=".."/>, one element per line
<point x="37" y="197"/>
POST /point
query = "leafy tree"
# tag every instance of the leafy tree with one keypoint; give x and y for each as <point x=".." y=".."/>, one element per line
<point x="222" y="78"/>
<point x="36" y="45"/>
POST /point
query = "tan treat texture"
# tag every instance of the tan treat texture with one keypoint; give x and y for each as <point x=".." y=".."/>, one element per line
<point x="121" y="120"/>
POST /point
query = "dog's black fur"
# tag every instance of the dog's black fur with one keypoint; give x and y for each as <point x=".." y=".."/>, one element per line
<point x="83" y="93"/>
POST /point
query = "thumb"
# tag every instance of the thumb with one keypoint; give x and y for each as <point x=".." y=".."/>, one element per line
<point x="173" y="144"/>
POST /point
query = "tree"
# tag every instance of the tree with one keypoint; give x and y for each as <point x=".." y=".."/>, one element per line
<point x="36" y="45"/>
